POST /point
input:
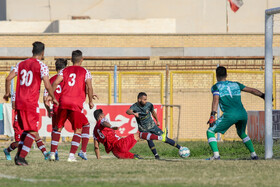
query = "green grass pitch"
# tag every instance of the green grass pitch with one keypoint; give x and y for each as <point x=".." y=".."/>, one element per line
<point x="235" y="168"/>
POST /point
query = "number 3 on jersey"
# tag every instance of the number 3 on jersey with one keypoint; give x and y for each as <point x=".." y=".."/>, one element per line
<point x="73" y="81"/>
<point x="26" y="77"/>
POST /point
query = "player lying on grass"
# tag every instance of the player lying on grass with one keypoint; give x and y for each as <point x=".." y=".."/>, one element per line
<point x="105" y="133"/>
<point x="76" y="79"/>
<point x="228" y="95"/>
<point x="142" y="111"/>
<point x="18" y="132"/>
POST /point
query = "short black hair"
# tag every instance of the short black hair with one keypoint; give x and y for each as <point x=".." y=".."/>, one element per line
<point x="60" y="63"/>
<point x="97" y="113"/>
<point x="77" y="55"/>
<point x="141" y="94"/>
<point x="38" y="48"/>
<point x="221" y="72"/>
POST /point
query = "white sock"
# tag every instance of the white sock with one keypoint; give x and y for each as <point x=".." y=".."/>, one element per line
<point x="71" y="155"/>
<point x="216" y="154"/>
<point x="253" y="154"/>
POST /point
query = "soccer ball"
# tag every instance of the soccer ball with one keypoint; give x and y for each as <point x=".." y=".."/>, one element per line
<point x="184" y="152"/>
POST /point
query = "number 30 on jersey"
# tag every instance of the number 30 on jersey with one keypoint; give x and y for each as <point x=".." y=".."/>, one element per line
<point x="26" y="77"/>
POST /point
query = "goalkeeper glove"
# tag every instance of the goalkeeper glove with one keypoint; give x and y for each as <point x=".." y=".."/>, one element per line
<point x="212" y="119"/>
<point x="263" y="97"/>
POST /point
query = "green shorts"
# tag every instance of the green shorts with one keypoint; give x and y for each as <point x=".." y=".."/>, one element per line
<point x="224" y="122"/>
<point x="151" y="128"/>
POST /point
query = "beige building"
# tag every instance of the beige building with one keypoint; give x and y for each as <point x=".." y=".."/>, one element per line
<point x="133" y="16"/>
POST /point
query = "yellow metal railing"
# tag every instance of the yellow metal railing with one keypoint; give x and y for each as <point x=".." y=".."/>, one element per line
<point x="109" y="83"/>
<point x="141" y="73"/>
<point x="171" y="91"/>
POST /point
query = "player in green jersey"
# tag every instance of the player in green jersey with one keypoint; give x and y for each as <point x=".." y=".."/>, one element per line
<point x="228" y="95"/>
<point x="142" y="111"/>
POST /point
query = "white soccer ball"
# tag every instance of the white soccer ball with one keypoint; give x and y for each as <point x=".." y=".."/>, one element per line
<point x="184" y="152"/>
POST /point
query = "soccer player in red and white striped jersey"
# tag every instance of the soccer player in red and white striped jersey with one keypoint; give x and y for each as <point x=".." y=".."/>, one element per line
<point x="30" y="73"/>
<point x="18" y="131"/>
<point x="59" y="65"/>
<point x="76" y="80"/>
<point x="105" y="133"/>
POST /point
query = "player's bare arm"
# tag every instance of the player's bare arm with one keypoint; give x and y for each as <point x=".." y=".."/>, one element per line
<point x="46" y="106"/>
<point x="107" y="124"/>
<point x="214" y="109"/>
<point x="215" y="103"/>
<point x="154" y="114"/>
<point x="90" y="93"/>
<point x="96" y="149"/>
<point x="130" y="112"/>
<point x="13" y="105"/>
<point x="254" y="92"/>
<point x="8" y="85"/>
<point x="50" y="89"/>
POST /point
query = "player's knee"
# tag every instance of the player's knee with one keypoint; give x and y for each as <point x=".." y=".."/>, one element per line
<point x="136" y="136"/>
<point x="78" y="131"/>
<point x="36" y="134"/>
<point x="242" y="135"/>
<point x="210" y="133"/>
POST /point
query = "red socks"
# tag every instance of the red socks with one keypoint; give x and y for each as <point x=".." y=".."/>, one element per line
<point x="148" y="136"/>
<point x="20" y="143"/>
<point x="12" y="146"/>
<point x="75" y="143"/>
<point x="85" y="137"/>
<point x="41" y="146"/>
<point x="28" y="141"/>
<point x="55" y="140"/>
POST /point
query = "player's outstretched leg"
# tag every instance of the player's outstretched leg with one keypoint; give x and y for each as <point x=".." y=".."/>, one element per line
<point x="149" y="136"/>
<point x="74" y="146"/>
<point x="85" y="139"/>
<point x="153" y="148"/>
<point x="169" y="141"/>
<point x="248" y="143"/>
<point x="241" y="127"/>
<point x="7" y="151"/>
<point x="213" y="144"/>
<point x="54" y="144"/>
<point x="41" y="146"/>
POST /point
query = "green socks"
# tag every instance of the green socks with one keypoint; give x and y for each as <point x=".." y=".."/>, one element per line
<point x="212" y="142"/>
<point x="248" y="143"/>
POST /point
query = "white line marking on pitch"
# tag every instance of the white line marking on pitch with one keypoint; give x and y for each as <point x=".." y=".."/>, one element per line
<point x="27" y="180"/>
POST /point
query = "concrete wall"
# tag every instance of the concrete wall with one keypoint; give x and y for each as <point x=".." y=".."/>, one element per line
<point x="191" y="16"/>
<point x="139" y="44"/>
<point x="118" y="26"/>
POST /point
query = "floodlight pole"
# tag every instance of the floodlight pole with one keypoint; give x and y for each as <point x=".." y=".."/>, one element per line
<point x="268" y="80"/>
